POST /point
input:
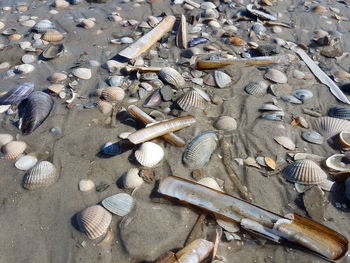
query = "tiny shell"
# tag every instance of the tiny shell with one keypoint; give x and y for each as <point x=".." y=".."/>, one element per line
<point x="58" y="77"/>
<point x="119" y="204"/>
<point x="222" y="80"/>
<point x="24" y="68"/>
<point x="226" y="123"/>
<point x="191" y="99"/>
<point x="276" y="76"/>
<point x="5" y="139"/>
<point x="131" y="179"/>
<point x="42" y="174"/>
<point x="340" y="112"/>
<point x="172" y="77"/>
<point x="338" y="163"/>
<point x="28" y="58"/>
<point x="104" y="106"/>
<point x="61" y="4"/>
<point x="53" y="35"/>
<point x="304" y="172"/>
<point x="82" y="73"/>
<point x="113" y="94"/>
<point x="270" y="163"/>
<point x="210" y="182"/>
<point x="302" y="94"/>
<point x="285" y="142"/>
<point x="257" y="89"/>
<point x="94" y="221"/>
<point x="88" y="23"/>
<point x="313" y="137"/>
<point x="13" y="149"/>
<point x="115" y="81"/>
<point x="56" y="88"/>
<point x="111" y="148"/>
<point x="86" y="185"/>
<point x="43" y="25"/>
<point x="236" y="41"/>
<point x="344" y="139"/>
<point x="26" y="162"/>
<point x="149" y="154"/>
<point x="299" y="121"/>
<point x="328" y="126"/>
<point x="14" y="37"/>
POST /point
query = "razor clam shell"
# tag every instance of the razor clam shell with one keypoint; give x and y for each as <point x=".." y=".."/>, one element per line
<point x="172" y="77"/>
<point x="94" y="221"/>
<point x="303" y="94"/>
<point x="42" y="174"/>
<point x="37" y="108"/>
<point x="149" y="154"/>
<point x="195" y="252"/>
<point x="328" y="126"/>
<point x="260" y="14"/>
<point x="257" y="89"/>
<point x="336" y="163"/>
<point x="313" y="137"/>
<point x="119" y="204"/>
<point x="181" y="36"/>
<point x="191" y="99"/>
<point x="222" y="80"/>
<point x="304" y="172"/>
<point x="17" y="94"/>
<point x="198" y="152"/>
<point x="339" y="112"/>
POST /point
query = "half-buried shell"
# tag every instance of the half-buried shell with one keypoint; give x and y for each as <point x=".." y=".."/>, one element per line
<point x="339" y="112"/>
<point x="119" y="204"/>
<point x="149" y="154"/>
<point x="276" y="76"/>
<point x="328" y="126"/>
<point x="82" y="73"/>
<point x="17" y="94"/>
<point x="5" y="139"/>
<point x="131" y="179"/>
<point x="304" y="172"/>
<point x="191" y="99"/>
<point x="13" y="149"/>
<point x="172" y="77"/>
<point x="257" y="89"/>
<point x="104" y="106"/>
<point x="338" y="163"/>
<point x="53" y="51"/>
<point x="285" y="142"/>
<point x="42" y="174"/>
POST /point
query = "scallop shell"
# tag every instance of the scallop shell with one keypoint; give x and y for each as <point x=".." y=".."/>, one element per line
<point x="172" y="77"/>
<point x="131" y="179"/>
<point x="285" y="142"/>
<point x="339" y="112"/>
<point x="313" y="137"/>
<point x="149" y="154"/>
<point x="104" y="106"/>
<point x="42" y="174"/>
<point x="5" y="139"/>
<point x="198" y="152"/>
<point x="303" y="94"/>
<point x="338" y="163"/>
<point x="191" y="99"/>
<point x="257" y="89"/>
<point x="343" y="137"/>
<point x="210" y="182"/>
<point x="113" y="94"/>
<point x="328" y="126"/>
<point x="226" y="123"/>
<point x="43" y="26"/>
<point x="94" y="221"/>
<point x="13" y="149"/>
<point x="82" y="73"/>
<point x="276" y="76"/>
<point x="119" y="204"/>
<point x="26" y="162"/>
<point x="17" y="94"/>
<point x="304" y="172"/>
<point x="53" y="51"/>
<point x="222" y="80"/>
<point x="53" y="35"/>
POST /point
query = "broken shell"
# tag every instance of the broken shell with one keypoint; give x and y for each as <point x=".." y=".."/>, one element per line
<point x="17" y="94"/>
<point x="181" y="36"/>
<point x="344" y="139"/>
<point x="153" y="100"/>
<point x="291" y="99"/>
<point x="285" y="142"/>
<point x="43" y="26"/>
<point x="94" y="221"/>
<point x="5" y="139"/>
<point x="149" y="154"/>
<point x="119" y="204"/>
<point x="257" y="89"/>
<point x="313" y="137"/>
<point x="53" y="35"/>
<point x="113" y="94"/>
<point x="104" y="106"/>
<point x="328" y="126"/>
<point x="26" y="162"/>
<point x="88" y="23"/>
<point x="191" y="99"/>
<point x="172" y="77"/>
<point x="338" y="163"/>
<point x="300" y="121"/>
<point x="304" y="172"/>
<point x="210" y="182"/>
<point x="82" y="73"/>
<point x="260" y="14"/>
<point x="276" y="76"/>
<point x="302" y="94"/>
<point x="131" y="179"/>
<point x="222" y="80"/>
<point x="339" y="112"/>
<point x="226" y="123"/>
<point x="42" y="174"/>
<point x="13" y="149"/>
<point x="53" y="51"/>
<point x="86" y="185"/>
<point x="236" y="41"/>
<point x="56" y="88"/>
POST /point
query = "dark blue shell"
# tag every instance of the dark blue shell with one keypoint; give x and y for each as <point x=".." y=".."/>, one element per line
<point x="111" y="148"/>
<point x="339" y="112"/>
<point x="197" y="40"/>
<point x="17" y="94"/>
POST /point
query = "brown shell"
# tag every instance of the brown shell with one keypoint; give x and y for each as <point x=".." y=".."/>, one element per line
<point x="191" y="99"/>
<point x="304" y="172"/>
<point x="236" y="41"/>
<point x="285" y="142"/>
<point x="53" y="35"/>
<point x="328" y="126"/>
<point x="13" y="149"/>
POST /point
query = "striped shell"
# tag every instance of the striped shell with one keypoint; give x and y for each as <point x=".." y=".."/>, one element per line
<point x="257" y="89"/>
<point x="42" y="174"/>
<point x="5" y="139"/>
<point x="191" y="99"/>
<point x="43" y="26"/>
<point x="328" y="126"/>
<point x="339" y="112"/>
<point x="149" y="154"/>
<point x="198" y="152"/>
<point x="26" y="162"/>
<point x="304" y="172"/>
<point x="172" y="77"/>
<point x="260" y="14"/>
<point x="222" y="80"/>
<point x="13" y="149"/>
<point x="131" y="179"/>
<point x="276" y="76"/>
<point x="94" y="221"/>
<point x="113" y="94"/>
<point x="104" y="106"/>
<point x="53" y="35"/>
<point x="17" y="94"/>
<point x="119" y="204"/>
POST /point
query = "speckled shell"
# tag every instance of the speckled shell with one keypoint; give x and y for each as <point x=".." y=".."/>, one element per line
<point x="94" y="221"/>
<point x="5" y="139"/>
<point x="276" y="76"/>
<point x="13" y="149"/>
<point x="149" y="154"/>
<point x="328" y="126"/>
<point x="17" y="94"/>
<point x="285" y="142"/>
<point x="222" y="80"/>
<point x="119" y="204"/>
<point x="53" y="35"/>
<point x="336" y="163"/>
<point x="191" y="99"/>
<point x="43" y="26"/>
<point x="339" y="112"/>
<point x="198" y="152"/>
<point x="131" y="179"/>
<point x="304" y="172"/>
<point x="42" y="174"/>
<point x="104" y="106"/>
<point x="26" y="162"/>
<point x="313" y="137"/>
<point x="257" y="89"/>
<point x="172" y="77"/>
<point x="113" y="94"/>
<point x="82" y="73"/>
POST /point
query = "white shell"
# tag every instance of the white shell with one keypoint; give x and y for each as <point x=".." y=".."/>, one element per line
<point x="336" y="163"/>
<point x="5" y="138"/>
<point x="115" y="81"/>
<point x="222" y="80"/>
<point x="226" y="123"/>
<point x="113" y="94"/>
<point x="191" y="99"/>
<point x="285" y="142"/>
<point x="257" y="89"/>
<point x="42" y="174"/>
<point x="86" y="185"/>
<point x="172" y="76"/>
<point x="131" y="179"/>
<point x="25" y="68"/>
<point x="328" y="126"/>
<point x="26" y="162"/>
<point x="304" y="172"/>
<point x="13" y="149"/>
<point x="149" y="154"/>
<point x="82" y="73"/>
<point x="276" y="76"/>
<point x="210" y="182"/>
<point x="119" y="204"/>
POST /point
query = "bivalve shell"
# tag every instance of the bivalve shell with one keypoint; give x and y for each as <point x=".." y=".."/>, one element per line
<point x="222" y="80"/>
<point x="344" y="139"/>
<point x="285" y="142"/>
<point x="328" y="126"/>
<point x="338" y="163"/>
<point x="347" y="188"/>
<point x="104" y="106"/>
<point x="210" y="182"/>
<point x="113" y="94"/>
<point x="43" y="26"/>
<point x="339" y="112"/>
<point x="149" y="154"/>
<point x="53" y="51"/>
<point x="26" y="162"/>
<point x="304" y="172"/>
<point x="119" y="204"/>
<point x="13" y="149"/>
<point x="191" y="99"/>
<point x="24" y="68"/>
<point x="53" y="35"/>
<point x="172" y="77"/>
<point x="88" y="23"/>
<point x="303" y="94"/>
<point x="312" y="137"/>
<point x="226" y="123"/>
<point x="131" y="179"/>
<point x="82" y="73"/>
<point x="5" y="139"/>
<point x="276" y="76"/>
<point x="42" y="174"/>
<point x="86" y="185"/>
<point x="17" y="94"/>
<point x="257" y="89"/>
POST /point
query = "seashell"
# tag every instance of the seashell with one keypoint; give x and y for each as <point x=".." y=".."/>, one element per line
<point x="208" y="5"/>
<point x="276" y="116"/>
<point x="269" y="107"/>
<point x="222" y="80"/>
<point x="24" y="69"/>
<point x="276" y="76"/>
<point x="270" y="163"/>
<point x="215" y="25"/>
<point x="53" y="51"/>
<point x="149" y="154"/>
<point x="15" y="37"/>
<point x="37" y="108"/>
<point x="94" y="221"/>
<point x="197" y="41"/>
<point x="82" y="73"/>
<point x="291" y="99"/>
<point x="257" y="89"/>
<point x="191" y="99"/>
<point x="328" y="126"/>
<point x="299" y="121"/>
<point x="2" y="25"/>
<point x="320" y="9"/>
<point x="304" y="172"/>
<point x="338" y="163"/>
<point x="86" y="185"/>
<point x="131" y="179"/>
<point x="42" y="174"/>
<point x="203" y="94"/>
<point x="124" y="135"/>
<point x="285" y="142"/>
<point x="43" y="26"/>
<point x="313" y="137"/>
<point x="148" y="76"/>
<point x="111" y="148"/>
<point x="13" y="149"/>
<point x="26" y="162"/>
<point x="119" y="204"/>
<point x="113" y="94"/>
<point x="308" y="156"/>
<point x="104" y="106"/>
<point x="115" y="81"/>
<point x="347" y="188"/>
<point x="4" y="108"/>
<point x="342" y="74"/>
<point x="61" y="4"/>
<point x="28" y="23"/>
<point x="260" y="14"/>
<point x="226" y="123"/>
<point x="209" y="80"/>
<point x="198" y="152"/>
<point x="53" y="35"/>
<point x="166" y="92"/>
<point x="55" y="88"/>
<point x="302" y="94"/>
<point x="28" y="58"/>
<point x="181" y="35"/>
<point x="259" y="29"/>
<point x="339" y="112"/>
<point x="9" y="31"/>
<point x="5" y="139"/>
<point x="153" y="100"/>
<point x="172" y="77"/>
<point x="236" y="41"/>
<point x="87" y="23"/>
<point x="17" y="94"/>
<point x="344" y="139"/>
<point x="210" y="182"/>
<point x="58" y="77"/>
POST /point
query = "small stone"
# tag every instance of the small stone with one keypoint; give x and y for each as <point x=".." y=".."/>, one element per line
<point x="167" y="93"/>
<point x="86" y="185"/>
<point x="102" y="187"/>
<point x="314" y="202"/>
<point x="56" y="131"/>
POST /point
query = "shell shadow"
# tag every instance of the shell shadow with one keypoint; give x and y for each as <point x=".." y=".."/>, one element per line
<point x="74" y="222"/>
<point x="126" y="118"/>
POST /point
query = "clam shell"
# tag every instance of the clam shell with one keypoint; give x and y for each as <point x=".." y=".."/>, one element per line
<point x="198" y="152"/>
<point x="153" y="100"/>
<point x="82" y="73"/>
<point x="53" y="51"/>
<point x="131" y="179"/>
<point x="339" y="112"/>
<point x="222" y="80"/>
<point x="269" y="107"/>
<point x="291" y="99"/>
<point x="236" y="41"/>
<point x="257" y="89"/>
<point x="328" y="126"/>
<point x="42" y="174"/>
<point x="226" y="123"/>
<point x="276" y="76"/>
<point x="24" y="69"/>
<point x="26" y="162"/>
<point x="104" y="106"/>
<point x="259" y="29"/>
<point x="313" y="137"/>
<point x="113" y="94"/>
<point x="172" y="77"/>
<point x="191" y="99"/>
<point x="344" y="139"/>
<point x="119" y="204"/>
<point x="58" y="77"/>
<point x="338" y="163"/>
<point x="88" y="23"/>
<point x="86" y="185"/>
<point x="303" y="94"/>
<point x="53" y="35"/>
<point x="17" y="94"/>
<point x="5" y="139"/>
<point x="304" y="172"/>
<point x="43" y="26"/>
<point x="149" y="154"/>
<point x="94" y="221"/>
<point x="13" y="149"/>
<point x="111" y="148"/>
<point x="210" y="182"/>
<point x="285" y="142"/>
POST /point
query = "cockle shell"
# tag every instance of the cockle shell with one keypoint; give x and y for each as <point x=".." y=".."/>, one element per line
<point x="94" y="221"/>
<point x="210" y="182"/>
<point x="328" y="126"/>
<point x="338" y="163"/>
<point x="149" y="154"/>
<point x="82" y="73"/>
<point x="119" y="204"/>
<point x="285" y="142"/>
<point x="26" y="162"/>
<point x="172" y="77"/>
<point x="257" y="89"/>
<point x="313" y="137"/>
<point x="191" y="99"/>
<point x="5" y="139"/>
<point x="343" y="137"/>
<point x="17" y="94"/>
<point x="226" y="123"/>
<point x="42" y="174"/>
<point x="113" y="94"/>
<point x="13" y="149"/>
<point x="104" y="106"/>
<point x="339" y="112"/>
<point x="53" y="35"/>
<point x="304" y="172"/>
<point x="131" y="179"/>
<point x="276" y="76"/>
<point x="198" y="152"/>
<point x="43" y="26"/>
<point x="222" y="80"/>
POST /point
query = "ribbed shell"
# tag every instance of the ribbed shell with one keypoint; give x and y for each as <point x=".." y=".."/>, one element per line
<point x="191" y="99"/>
<point x="257" y="89"/>
<point x="149" y="154"/>
<point x="13" y="149"/>
<point x="94" y="221"/>
<point x="113" y="94"/>
<point x="53" y="35"/>
<point x="42" y="174"/>
<point x="172" y="77"/>
<point x="222" y="80"/>
<point x="304" y="172"/>
<point x="339" y="112"/>
<point x="265" y="16"/>
<point x="17" y="94"/>
<point x="5" y="139"/>
<point x="43" y="26"/>
<point x="119" y="204"/>
<point x="198" y="152"/>
<point x="328" y="126"/>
